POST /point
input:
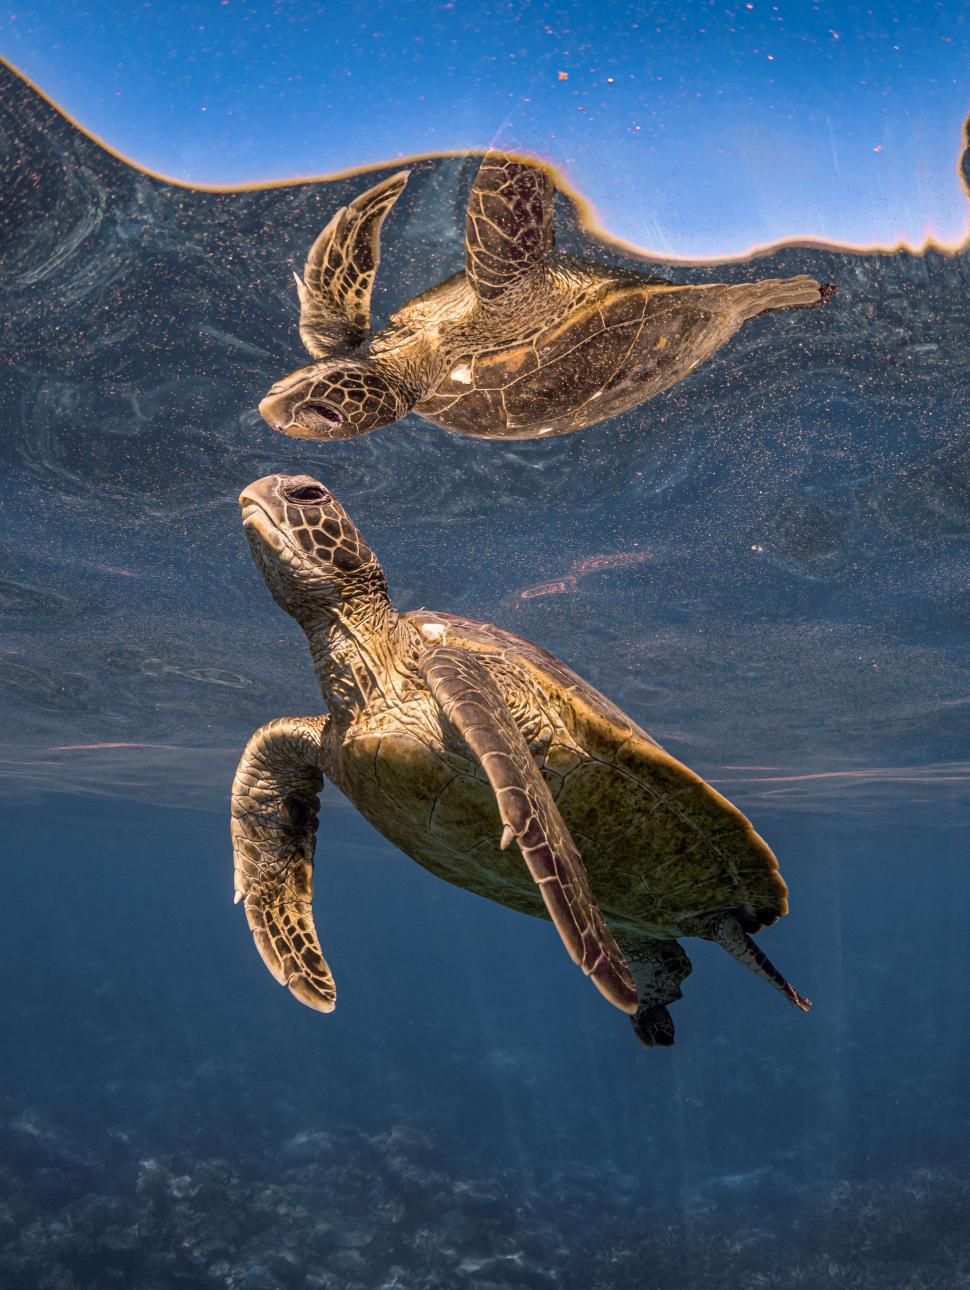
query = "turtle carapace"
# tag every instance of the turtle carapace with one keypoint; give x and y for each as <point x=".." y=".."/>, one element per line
<point x="522" y="343"/>
<point x="491" y="764"/>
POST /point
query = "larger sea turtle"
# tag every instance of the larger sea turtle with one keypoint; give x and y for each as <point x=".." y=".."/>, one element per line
<point x="522" y="343"/>
<point x="456" y="739"/>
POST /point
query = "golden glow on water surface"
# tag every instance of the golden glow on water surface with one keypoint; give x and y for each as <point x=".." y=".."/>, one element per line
<point x="588" y="216"/>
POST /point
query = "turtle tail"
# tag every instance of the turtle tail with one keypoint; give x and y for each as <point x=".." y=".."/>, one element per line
<point x="731" y="936"/>
<point x="753" y="298"/>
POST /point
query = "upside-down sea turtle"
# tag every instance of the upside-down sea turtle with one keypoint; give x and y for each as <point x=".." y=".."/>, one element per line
<point x="523" y="343"/>
<point x="455" y="739"/>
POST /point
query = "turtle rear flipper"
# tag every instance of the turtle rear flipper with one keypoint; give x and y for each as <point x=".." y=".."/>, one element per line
<point x="274" y="823"/>
<point x="802" y="292"/>
<point x="658" y="968"/>
<point x="337" y="281"/>
<point x="472" y="702"/>
<point x="726" y="930"/>
<point x="653" y="1026"/>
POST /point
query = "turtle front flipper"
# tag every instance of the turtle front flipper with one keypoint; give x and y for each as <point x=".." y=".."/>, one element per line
<point x="274" y="823"/>
<point x="337" y="281"/>
<point x="508" y="226"/>
<point x="472" y="702"/>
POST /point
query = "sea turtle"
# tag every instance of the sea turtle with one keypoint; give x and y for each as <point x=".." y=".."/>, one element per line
<point x="455" y="739"/>
<point x="523" y="343"/>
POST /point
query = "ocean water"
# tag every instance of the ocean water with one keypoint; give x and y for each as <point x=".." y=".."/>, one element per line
<point x="767" y="566"/>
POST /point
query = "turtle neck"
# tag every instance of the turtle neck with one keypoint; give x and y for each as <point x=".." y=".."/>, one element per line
<point x="360" y="650"/>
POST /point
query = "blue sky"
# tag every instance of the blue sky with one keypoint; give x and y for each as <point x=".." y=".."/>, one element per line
<point x="698" y="129"/>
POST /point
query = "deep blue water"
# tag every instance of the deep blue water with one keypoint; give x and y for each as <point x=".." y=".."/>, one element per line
<point x="472" y="1114"/>
<point x="166" y="1115"/>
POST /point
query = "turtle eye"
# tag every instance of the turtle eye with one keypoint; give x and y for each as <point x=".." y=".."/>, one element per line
<point x="323" y="413"/>
<point x="308" y="493"/>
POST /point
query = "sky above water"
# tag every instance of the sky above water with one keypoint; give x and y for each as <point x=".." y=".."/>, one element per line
<point x="697" y="129"/>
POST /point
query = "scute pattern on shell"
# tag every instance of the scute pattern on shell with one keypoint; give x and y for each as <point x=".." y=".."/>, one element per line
<point x="661" y="846"/>
<point x="589" y="344"/>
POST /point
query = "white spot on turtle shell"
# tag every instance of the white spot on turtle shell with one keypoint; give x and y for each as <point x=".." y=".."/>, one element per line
<point x="434" y="632"/>
<point x="463" y="374"/>
<point x="546" y="429"/>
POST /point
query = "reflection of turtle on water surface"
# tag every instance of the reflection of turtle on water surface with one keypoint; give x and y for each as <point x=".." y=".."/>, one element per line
<point x="523" y="343"/>
<point x="456" y="739"/>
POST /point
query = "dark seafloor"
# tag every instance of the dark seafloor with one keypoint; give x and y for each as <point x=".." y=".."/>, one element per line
<point x="767" y="566"/>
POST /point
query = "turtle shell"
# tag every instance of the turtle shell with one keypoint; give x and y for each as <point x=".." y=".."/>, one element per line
<point x="661" y="846"/>
<point x="578" y="362"/>
<point x="591" y="344"/>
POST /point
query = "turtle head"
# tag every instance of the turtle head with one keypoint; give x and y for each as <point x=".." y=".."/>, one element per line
<point x="335" y="398"/>
<point x="307" y="548"/>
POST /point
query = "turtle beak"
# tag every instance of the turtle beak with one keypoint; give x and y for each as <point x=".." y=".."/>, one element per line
<point x="256" y="513"/>
<point x="253" y="494"/>
<point x="284" y="395"/>
<point x="274" y="411"/>
<point x="256" y="521"/>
